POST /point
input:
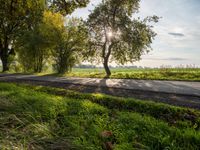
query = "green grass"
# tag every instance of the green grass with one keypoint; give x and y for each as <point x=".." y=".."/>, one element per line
<point x="36" y="117"/>
<point x="177" y="74"/>
<point x="146" y="74"/>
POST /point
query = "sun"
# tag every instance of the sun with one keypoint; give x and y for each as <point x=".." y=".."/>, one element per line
<point x="110" y="34"/>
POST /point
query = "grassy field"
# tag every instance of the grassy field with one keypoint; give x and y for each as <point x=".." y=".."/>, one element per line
<point x="37" y="118"/>
<point x="147" y="74"/>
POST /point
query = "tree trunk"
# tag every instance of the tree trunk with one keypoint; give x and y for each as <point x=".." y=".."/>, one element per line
<point x="106" y="59"/>
<point x="4" y="60"/>
<point x="4" y="56"/>
<point x="107" y="69"/>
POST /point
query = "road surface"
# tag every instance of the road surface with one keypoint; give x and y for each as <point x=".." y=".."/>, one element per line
<point x="172" y="87"/>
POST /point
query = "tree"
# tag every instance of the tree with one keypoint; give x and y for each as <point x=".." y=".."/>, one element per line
<point x="70" y="41"/>
<point x="16" y="16"/>
<point x="115" y="36"/>
<point x="34" y="52"/>
<point x="34" y="47"/>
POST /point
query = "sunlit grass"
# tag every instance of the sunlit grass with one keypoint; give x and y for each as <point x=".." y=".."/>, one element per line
<point x="36" y="117"/>
<point x="179" y="74"/>
<point x="151" y="74"/>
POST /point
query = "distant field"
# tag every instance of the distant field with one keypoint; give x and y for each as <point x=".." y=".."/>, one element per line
<point x="146" y="74"/>
<point x="37" y="118"/>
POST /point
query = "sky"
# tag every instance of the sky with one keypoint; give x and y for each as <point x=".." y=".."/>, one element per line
<point x="178" y="31"/>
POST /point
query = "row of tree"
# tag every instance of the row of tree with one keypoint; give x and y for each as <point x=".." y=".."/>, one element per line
<point x="37" y="32"/>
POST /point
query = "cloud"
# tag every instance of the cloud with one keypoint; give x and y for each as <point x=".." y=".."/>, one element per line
<point x="176" y="59"/>
<point x="176" y="34"/>
<point x="168" y="59"/>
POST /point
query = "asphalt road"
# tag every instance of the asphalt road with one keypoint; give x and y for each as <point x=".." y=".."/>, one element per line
<point x="172" y="87"/>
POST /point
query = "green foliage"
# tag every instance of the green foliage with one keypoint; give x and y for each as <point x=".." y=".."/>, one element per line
<point x="66" y="7"/>
<point x="42" y="120"/>
<point x="19" y="16"/>
<point x="15" y="18"/>
<point x="33" y="53"/>
<point x="23" y="18"/>
<point x="34" y="47"/>
<point x="114" y="36"/>
<point x="71" y="42"/>
<point x="56" y="41"/>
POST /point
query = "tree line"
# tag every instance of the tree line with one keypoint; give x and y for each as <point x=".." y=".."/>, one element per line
<point x="34" y="33"/>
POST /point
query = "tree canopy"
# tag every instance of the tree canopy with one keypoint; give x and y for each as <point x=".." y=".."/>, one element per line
<point x="20" y="16"/>
<point x="56" y="40"/>
<point x="34" y="46"/>
<point x="16" y="16"/>
<point x="71" y="42"/>
<point x="66" y="6"/>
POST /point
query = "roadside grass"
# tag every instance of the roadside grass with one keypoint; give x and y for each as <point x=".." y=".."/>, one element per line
<point x="179" y="74"/>
<point x="36" y="117"/>
<point x="174" y="74"/>
<point x="176" y="116"/>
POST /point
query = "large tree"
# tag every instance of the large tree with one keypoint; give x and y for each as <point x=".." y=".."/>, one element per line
<point x="16" y="16"/>
<point x="115" y="35"/>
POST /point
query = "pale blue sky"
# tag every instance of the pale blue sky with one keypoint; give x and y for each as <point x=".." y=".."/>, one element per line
<point x="178" y="30"/>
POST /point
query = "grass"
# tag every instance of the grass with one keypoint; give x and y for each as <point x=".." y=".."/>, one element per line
<point x="176" y="74"/>
<point x="36" y="117"/>
<point x="146" y="74"/>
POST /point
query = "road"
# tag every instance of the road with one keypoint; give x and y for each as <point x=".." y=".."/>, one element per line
<point x="172" y="87"/>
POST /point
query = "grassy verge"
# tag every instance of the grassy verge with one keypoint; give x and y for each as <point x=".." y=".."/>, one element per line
<point x="36" y="117"/>
<point x="176" y="74"/>
<point x="146" y="74"/>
